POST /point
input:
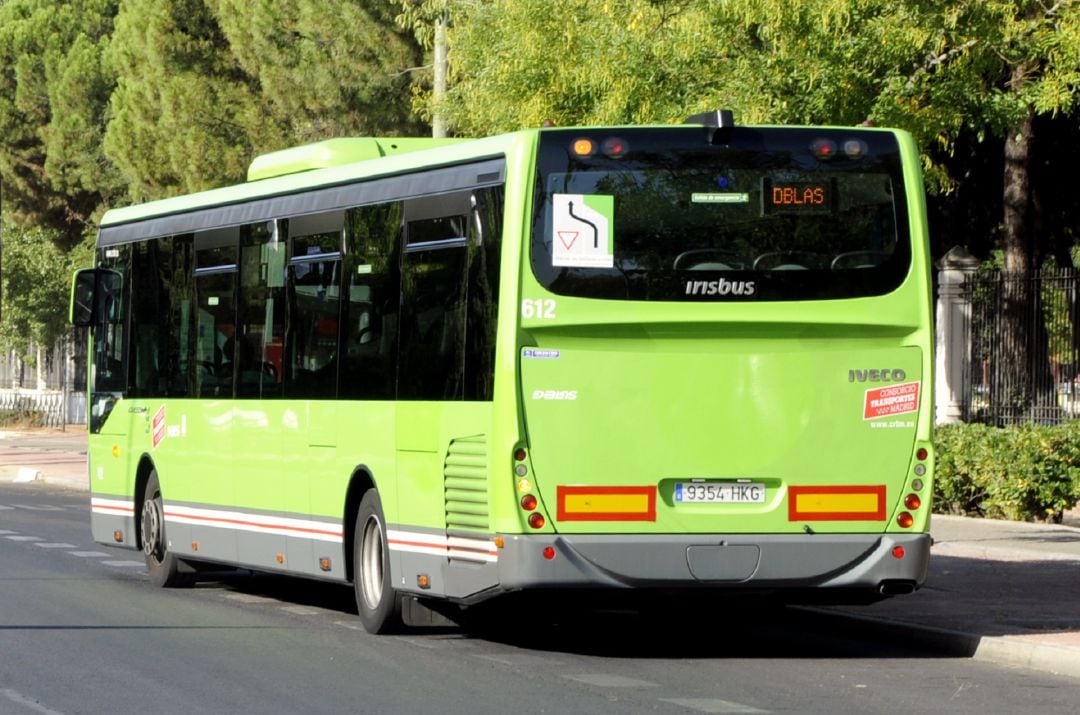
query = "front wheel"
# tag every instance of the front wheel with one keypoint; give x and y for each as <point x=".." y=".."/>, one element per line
<point x="164" y="568"/>
<point x="377" y="600"/>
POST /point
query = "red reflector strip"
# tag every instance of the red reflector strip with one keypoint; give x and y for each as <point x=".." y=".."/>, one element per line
<point x="853" y="503"/>
<point x="606" y="503"/>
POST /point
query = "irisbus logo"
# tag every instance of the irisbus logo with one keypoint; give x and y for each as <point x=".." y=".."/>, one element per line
<point x="720" y="287"/>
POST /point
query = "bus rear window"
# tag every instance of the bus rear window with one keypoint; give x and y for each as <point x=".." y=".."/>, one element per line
<point x="756" y="214"/>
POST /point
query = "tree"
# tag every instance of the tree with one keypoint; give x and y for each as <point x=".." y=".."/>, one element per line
<point x="53" y="94"/>
<point x="205" y="85"/>
<point x="36" y="287"/>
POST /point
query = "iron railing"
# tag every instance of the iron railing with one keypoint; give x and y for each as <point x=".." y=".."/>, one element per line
<point x="1024" y="347"/>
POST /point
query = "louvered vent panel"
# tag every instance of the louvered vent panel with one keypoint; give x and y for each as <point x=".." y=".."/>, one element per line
<point x="465" y="485"/>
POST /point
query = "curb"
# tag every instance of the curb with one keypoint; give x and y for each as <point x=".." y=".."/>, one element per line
<point x="1014" y="651"/>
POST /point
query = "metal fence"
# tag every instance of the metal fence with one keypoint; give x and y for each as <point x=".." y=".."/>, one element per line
<point x="1024" y="347"/>
<point x="50" y="383"/>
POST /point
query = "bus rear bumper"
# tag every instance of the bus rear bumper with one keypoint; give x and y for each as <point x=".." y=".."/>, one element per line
<point x="881" y="563"/>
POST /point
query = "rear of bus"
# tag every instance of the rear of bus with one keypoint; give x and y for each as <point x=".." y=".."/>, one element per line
<point x="725" y="363"/>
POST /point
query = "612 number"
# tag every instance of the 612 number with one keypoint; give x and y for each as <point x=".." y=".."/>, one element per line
<point x="543" y="308"/>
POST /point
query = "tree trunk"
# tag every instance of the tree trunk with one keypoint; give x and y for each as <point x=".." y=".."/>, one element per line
<point x="1016" y="220"/>
<point x="1025" y="385"/>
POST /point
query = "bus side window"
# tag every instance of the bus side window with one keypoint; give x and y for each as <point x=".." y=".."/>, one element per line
<point x="369" y="321"/>
<point x="162" y="289"/>
<point x="485" y="238"/>
<point x="314" y="290"/>
<point x="215" y="313"/>
<point x="257" y="346"/>
<point x="433" y="275"/>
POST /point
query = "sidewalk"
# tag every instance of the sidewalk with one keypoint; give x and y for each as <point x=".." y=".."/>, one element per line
<point x="49" y="456"/>
<point x="1000" y="591"/>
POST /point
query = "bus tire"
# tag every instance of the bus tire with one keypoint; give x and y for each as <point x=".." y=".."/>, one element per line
<point x="164" y="568"/>
<point x="377" y="601"/>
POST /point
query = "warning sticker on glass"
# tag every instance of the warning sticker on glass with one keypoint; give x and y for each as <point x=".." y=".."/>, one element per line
<point x="892" y="400"/>
<point x="583" y="230"/>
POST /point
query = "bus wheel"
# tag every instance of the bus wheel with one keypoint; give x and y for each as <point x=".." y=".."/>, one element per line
<point x="378" y="602"/>
<point x="164" y="567"/>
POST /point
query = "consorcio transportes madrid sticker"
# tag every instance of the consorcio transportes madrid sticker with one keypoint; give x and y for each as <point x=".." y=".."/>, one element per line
<point x="891" y="401"/>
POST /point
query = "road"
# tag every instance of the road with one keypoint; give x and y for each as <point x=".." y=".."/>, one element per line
<point x="83" y="631"/>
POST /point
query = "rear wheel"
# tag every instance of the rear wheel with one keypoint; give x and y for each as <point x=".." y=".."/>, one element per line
<point x="377" y="600"/>
<point x="164" y="568"/>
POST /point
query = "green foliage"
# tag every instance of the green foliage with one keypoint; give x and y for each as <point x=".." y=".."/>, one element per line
<point x="36" y="287"/>
<point x="1025" y="473"/>
<point x="53" y="94"/>
<point x="22" y="418"/>
<point x="935" y="68"/>
<point x="205" y="85"/>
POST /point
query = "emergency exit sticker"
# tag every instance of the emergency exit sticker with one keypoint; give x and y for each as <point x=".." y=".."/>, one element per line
<point x="583" y="230"/>
<point x="891" y="400"/>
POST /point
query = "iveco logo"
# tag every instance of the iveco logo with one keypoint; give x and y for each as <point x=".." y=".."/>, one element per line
<point x="881" y="375"/>
<point x="720" y="287"/>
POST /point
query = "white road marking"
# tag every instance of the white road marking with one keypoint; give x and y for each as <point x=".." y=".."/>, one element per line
<point x="89" y="554"/>
<point x="713" y="705"/>
<point x="20" y="699"/>
<point x="603" y="680"/>
<point x="301" y="610"/>
<point x="55" y="545"/>
<point x="39" y="507"/>
<point x="24" y="538"/>
<point x="124" y="564"/>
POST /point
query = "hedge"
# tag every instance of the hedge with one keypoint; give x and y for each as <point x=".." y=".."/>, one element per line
<point x="1024" y="473"/>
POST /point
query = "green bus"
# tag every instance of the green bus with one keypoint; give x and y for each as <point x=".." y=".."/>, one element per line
<point x="623" y="360"/>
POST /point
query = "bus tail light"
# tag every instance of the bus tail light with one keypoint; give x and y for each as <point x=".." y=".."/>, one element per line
<point x="536" y="520"/>
<point x="912" y="501"/>
<point x="905" y="520"/>
<point x="528" y="502"/>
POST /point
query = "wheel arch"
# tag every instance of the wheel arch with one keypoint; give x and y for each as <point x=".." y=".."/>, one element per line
<point x="359" y="483"/>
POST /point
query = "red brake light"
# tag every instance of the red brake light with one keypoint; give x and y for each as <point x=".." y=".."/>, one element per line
<point x="536" y="520"/>
<point x="921" y="454"/>
<point x="912" y="501"/>
<point x="905" y="520"/>
<point x="528" y="502"/>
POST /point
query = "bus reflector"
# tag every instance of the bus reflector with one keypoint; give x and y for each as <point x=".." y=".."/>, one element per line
<point x="853" y="503"/>
<point x="549" y="553"/>
<point x="607" y="503"/>
<point x="898" y="552"/>
<point x="118" y="536"/>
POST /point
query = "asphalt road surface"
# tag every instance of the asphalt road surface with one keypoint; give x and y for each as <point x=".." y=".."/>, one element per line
<point x="83" y="631"/>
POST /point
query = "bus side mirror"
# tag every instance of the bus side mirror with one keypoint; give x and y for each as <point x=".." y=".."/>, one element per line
<point x="95" y="292"/>
<point x="83" y="292"/>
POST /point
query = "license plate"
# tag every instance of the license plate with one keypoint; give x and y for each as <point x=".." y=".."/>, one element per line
<point x="720" y="492"/>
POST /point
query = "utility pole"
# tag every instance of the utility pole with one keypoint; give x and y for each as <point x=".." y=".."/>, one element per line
<point x="438" y="120"/>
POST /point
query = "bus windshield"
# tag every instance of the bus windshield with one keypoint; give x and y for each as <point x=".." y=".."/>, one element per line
<point x="757" y="214"/>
